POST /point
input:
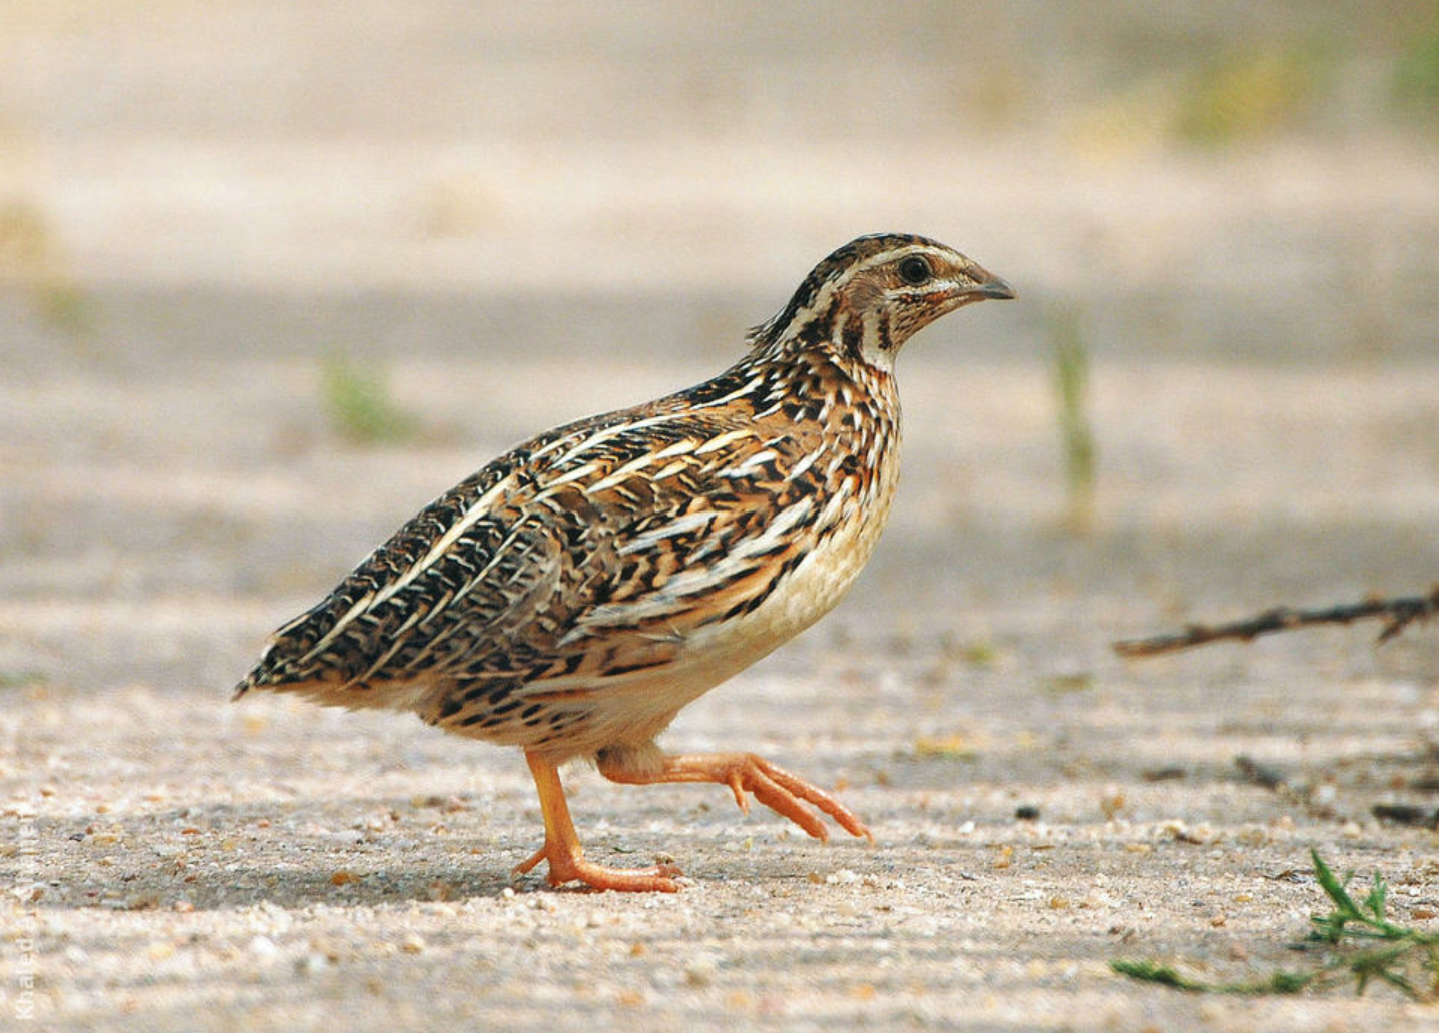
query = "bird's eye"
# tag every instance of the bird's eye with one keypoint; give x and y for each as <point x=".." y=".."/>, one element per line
<point x="914" y="270"/>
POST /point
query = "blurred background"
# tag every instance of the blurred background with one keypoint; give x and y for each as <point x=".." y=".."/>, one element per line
<point x="273" y="274"/>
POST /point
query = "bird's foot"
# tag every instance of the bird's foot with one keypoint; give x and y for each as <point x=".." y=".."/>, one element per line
<point x="781" y="791"/>
<point x="570" y="866"/>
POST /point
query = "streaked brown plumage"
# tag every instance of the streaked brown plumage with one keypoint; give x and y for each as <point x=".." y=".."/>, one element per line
<point x="576" y="592"/>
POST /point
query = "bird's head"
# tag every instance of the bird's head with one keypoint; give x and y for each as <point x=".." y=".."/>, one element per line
<point x="870" y="296"/>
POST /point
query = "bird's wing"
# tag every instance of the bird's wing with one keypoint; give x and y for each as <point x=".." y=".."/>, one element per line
<point x="638" y="529"/>
<point x="468" y="542"/>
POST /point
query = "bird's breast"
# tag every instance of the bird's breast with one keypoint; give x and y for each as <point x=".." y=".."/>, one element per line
<point x="824" y="560"/>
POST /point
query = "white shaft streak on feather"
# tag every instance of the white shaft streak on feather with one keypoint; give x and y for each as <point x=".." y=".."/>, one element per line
<point x="340" y="625"/>
<point x="752" y="462"/>
<point x="369" y="601"/>
<point x="692" y="580"/>
<point x="819" y="303"/>
<point x="721" y="440"/>
<point x="831" y="512"/>
<point x="743" y="391"/>
<point x="835" y="462"/>
<point x="422" y="613"/>
<point x="578" y="473"/>
<point x="679" y="448"/>
<point x="499" y="553"/>
<point x="478" y="509"/>
<point x="383" y="659"/>
<point x="478" y="578"/>
<point x="623" y="473"/>
<point x="415" y="662"/>
<point x="736" y="562"/>
<point x="599" y="437"/>
<point x="670" y="470"/>
<point x="799" y="469"/>
<point x="680" y="525"/>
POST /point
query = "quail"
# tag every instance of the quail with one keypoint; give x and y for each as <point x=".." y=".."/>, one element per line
<point x="574" y="594"/>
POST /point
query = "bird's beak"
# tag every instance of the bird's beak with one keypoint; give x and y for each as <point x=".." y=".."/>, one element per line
<point x="993" y="287"/>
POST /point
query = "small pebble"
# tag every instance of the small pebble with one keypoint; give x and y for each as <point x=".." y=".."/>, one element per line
<point x="312" y="963"/>
<point x="700" y="972"/>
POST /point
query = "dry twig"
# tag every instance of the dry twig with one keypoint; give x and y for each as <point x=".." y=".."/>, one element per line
<point x="1397" y="614"/>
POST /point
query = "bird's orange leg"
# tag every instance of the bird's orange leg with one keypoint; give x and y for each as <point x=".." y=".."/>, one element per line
<point x="563" y="851"/>
<point x="778" y="789"/>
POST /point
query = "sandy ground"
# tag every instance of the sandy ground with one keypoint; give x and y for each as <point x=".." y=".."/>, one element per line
<point x="199" y="203"/>
<point x="200" y="865"/>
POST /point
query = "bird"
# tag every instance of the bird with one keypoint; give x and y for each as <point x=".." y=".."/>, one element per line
<point x="574" y="594"/>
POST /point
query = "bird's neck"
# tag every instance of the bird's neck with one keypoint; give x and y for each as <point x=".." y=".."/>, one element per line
<point x="851" y="335"/>
<point x="823" y="384"/>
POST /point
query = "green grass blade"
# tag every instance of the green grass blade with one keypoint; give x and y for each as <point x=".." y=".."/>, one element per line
<point x="1149" y="972"/>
